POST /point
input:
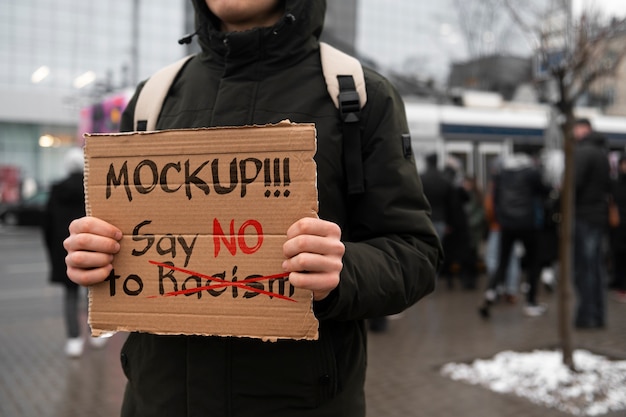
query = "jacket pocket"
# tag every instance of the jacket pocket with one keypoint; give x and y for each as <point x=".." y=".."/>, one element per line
<point x="155" y="368"/>
<point x="126" y="354"/>
<point x="298" y="374"/>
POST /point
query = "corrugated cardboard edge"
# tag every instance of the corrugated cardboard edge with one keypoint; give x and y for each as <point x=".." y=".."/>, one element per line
<point x="85" y="176"/>
<point x="310" y="334"/>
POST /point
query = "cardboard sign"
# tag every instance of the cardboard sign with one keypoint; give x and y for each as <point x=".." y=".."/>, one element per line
<point x="204" y="214"/>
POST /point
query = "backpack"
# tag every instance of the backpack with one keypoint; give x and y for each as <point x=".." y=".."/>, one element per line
<point x="345" y="83"/>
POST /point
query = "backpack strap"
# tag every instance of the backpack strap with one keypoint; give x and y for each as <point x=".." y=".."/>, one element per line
<point x="153" y="94"/>
<point x="350" y="113"/>
<point x="336" y="62"/>
<point x="346" y="86"/>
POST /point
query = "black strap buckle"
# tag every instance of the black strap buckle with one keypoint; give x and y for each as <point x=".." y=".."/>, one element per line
<point x="349" y="105"/>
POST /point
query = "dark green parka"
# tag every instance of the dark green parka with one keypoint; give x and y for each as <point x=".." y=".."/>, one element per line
<point x="392" y="253"/>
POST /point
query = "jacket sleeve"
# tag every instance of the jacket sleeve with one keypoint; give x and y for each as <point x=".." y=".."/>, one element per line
<point x="392" y="250"/>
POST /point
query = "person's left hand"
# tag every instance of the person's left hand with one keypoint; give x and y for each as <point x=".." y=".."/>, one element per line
<point x="314" y="253"/>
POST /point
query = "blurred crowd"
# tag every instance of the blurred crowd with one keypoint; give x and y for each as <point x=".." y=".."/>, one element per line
<point x="509" y="232"/>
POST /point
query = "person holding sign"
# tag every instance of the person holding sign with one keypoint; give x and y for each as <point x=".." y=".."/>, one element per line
<point x="369" y="254"/>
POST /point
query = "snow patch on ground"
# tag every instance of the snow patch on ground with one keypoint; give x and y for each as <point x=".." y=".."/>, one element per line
<point x="597" y="388"/>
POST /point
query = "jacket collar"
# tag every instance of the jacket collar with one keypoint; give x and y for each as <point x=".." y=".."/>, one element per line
<point x="262" y="49"/>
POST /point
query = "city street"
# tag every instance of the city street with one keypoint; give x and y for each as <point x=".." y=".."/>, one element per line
<point x="37" y="380"/>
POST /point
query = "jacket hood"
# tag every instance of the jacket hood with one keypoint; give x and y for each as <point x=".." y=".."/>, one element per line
<point x="299" y="29"/>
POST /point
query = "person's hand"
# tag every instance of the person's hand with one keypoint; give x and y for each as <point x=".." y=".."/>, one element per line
<point x="314" y="253"/>
<point x="90" y="249"/>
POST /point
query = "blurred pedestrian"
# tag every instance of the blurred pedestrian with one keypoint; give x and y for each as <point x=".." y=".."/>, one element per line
<point x="446" y="212"/>
<point x="552" y="166"/>
<point x="510" y="287"/>
<point x="592" y="184"/>
<point x="456" y="242"/>
<point x="592" y="192"/>
<point x="548" y="241"/>
<point x="517" y="189"/>
<point x="618" y="233"/>
<point x="440" y="193"/>
<point x="477" y="231"/>
<point x="66" y="202"/>
<point x="368" y="255"/>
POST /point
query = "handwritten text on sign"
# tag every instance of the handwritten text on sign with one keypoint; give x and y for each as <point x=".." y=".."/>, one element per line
<point x="204" y="215"/>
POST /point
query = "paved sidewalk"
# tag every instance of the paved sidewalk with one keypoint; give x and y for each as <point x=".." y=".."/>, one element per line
<point x="404" y="378"/>
<point x="37" y="380"/>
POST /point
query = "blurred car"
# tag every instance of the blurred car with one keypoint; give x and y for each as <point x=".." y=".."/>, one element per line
<point x="27" y="212"/>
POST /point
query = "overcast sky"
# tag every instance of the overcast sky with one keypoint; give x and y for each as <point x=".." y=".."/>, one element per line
<point x="423" y="36"/>
<point x="607" y="7"/>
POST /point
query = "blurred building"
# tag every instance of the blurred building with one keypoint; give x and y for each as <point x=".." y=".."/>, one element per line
<point x="609" y="93"/>
<point x="56" y="57"/>
<point x="340" y="25"/>
<point x="496" y="73"/>
<point x="68" y="66"/>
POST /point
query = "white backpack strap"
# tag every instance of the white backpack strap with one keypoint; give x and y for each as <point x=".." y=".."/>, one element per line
<point x="153" y="94"/>
<point x="334" y="63"/>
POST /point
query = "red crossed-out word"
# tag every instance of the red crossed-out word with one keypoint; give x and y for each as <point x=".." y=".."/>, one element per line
<point x="222" y="283"/>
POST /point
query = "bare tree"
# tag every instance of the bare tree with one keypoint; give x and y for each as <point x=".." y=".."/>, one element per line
<point x="484" y="25"/>
<point x="576" y="52"/>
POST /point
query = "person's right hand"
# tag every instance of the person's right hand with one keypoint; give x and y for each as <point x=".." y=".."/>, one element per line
<point x="90" y="249"/>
